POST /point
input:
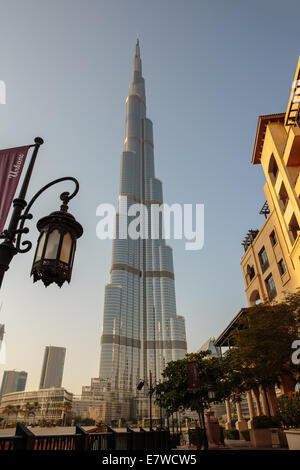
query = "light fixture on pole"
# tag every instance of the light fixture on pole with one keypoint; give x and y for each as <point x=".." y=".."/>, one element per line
<point x="59" y="231"/>
<point x="54" y="255"/>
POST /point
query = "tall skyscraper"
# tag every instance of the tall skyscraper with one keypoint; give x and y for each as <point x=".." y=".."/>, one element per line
<point x="1" y="332"/>
<point x="53" y="367"/>
<point x="141" y="330"/>
<point x="13" y="381"/>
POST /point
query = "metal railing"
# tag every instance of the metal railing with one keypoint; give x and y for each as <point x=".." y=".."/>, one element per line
<point x="24" y="439"/>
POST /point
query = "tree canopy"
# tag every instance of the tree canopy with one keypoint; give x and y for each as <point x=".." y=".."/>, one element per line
<point x="173" y="393"/>
<point x="263" y="343"/>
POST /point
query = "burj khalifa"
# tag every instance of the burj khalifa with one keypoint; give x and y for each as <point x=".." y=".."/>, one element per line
<point x="141" y="329"/>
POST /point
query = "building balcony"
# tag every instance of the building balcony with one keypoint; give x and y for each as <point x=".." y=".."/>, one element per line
<point x="249" y="239"/>
<point x="292" y="150"/>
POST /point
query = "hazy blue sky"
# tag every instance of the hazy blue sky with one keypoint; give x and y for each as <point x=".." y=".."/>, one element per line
<point x="211" y="68"/>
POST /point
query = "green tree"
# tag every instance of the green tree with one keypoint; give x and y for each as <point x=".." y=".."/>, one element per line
<point x="173" y="393"/>
<point x="66" y="408"/>
<point x="7" y="411"/>
<point x="262" y="343"/>
<point x="30" y="409"/>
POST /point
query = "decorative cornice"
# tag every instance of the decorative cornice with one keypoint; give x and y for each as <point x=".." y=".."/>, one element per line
<point x="146" y="141"/>
<point x="159" y="274"/>
<point x="136" y="96"/>
<point x="147" y="202"/>
<point x="125" y="267"/>
<point x="138" y="272"/>
<point x="136" y="343"/>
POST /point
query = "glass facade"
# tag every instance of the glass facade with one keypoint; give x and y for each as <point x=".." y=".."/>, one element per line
<point x="141" y="329"/>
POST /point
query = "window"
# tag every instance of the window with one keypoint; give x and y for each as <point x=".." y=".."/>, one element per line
<point x="283" y="198"/>
<point x="250" y="273"/>
<point x="263" y="259"/>
<point x="273" y="238"/>
<point x="293" y="229"/>
<point x="270" y="284"/>
<point x="273" y="169"/>
<point x="282" y="268"/>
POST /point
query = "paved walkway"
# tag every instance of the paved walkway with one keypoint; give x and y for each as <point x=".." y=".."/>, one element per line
<point x="231" y="445"/>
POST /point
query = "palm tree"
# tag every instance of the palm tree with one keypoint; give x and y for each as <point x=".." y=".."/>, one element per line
<point x="67" y="408"/>
<point x="36" y="407"/>
<point x="30" y="410"/>
<point x="17" y="411"/>
<point x="8" y="410"/>
<point x="45" y="411"/>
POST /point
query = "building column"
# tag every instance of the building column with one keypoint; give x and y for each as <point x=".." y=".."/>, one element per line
<point x="264" y="402"/>
<point x="287" y="384"/>
<point x="272" y="400"/>
<point x="212" y="430"/>
<point x="241" y="423"/>
<point x="257" y="401"/>
<point x="251" y="408"/>
<point x="228" y="412"/>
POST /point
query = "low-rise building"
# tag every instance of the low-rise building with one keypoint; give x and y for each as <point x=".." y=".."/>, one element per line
<point x="50" y="404"/>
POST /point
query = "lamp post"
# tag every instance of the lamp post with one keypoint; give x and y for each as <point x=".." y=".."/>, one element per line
<point x="195" y="385"/>
<point x="54" y="256"/>
<point x="158" y="394"/>
<point x="151" y="391"/>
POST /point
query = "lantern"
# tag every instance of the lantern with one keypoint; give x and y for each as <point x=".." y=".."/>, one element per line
<point x="211" y="392"/>
<point x="54" y="255"/>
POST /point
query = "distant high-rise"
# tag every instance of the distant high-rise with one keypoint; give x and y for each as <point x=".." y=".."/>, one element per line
<point x="53" y="367"/>
<point x="1" y="332"/>
<point x="141" y="329"/>
<point x="13" y="381"/>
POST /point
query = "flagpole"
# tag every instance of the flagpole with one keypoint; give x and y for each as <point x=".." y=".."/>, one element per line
<point x="19" y="203"/>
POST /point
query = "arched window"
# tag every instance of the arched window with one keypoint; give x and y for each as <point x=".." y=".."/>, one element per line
<point x="250" y="273"/>
<point x="254" y="298"/>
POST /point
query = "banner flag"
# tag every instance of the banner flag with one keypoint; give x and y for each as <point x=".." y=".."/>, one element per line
<point x="193" y="376"/>
<point x="11" y="166"/>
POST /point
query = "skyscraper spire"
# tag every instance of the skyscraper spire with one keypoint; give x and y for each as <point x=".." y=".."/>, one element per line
<point x="137" y="47"/>
<point x="137" y="86"/>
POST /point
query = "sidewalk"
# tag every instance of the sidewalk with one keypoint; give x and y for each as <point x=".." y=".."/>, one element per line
<point x="232" y="445"/>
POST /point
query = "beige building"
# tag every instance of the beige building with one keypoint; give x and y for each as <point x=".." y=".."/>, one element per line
<point x="52" y="404"/>
<point x="271" y="263"/>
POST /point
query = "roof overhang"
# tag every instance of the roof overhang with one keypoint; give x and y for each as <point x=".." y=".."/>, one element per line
<point x="263" y="121"/>
<point x="224" y="339"/>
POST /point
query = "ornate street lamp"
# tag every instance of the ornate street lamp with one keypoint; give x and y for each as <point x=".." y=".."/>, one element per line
<point x="54" y="256"/>
<point x="211" y="391"/>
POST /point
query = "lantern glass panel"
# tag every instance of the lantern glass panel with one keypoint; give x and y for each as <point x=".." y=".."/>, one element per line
<point x="52" y="245"/>
<point x="66" y="248"/>
<point x="73" y="253"/>
<point x="40" y="247"/>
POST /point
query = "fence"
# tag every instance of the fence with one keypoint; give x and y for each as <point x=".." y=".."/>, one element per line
<point x="24" y="439"/>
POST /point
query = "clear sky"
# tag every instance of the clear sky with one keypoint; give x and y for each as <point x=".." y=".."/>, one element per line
<point x="211" y="68"/>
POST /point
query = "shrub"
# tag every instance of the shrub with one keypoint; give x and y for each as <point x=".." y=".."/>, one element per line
<point x="246" y="434"/>
<point x="289" y="409"/>
<point x="196" y="437"/>
<point x="231" y="434"/>
<point x="264" y="422"/>
<point x="222" y="435"/>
